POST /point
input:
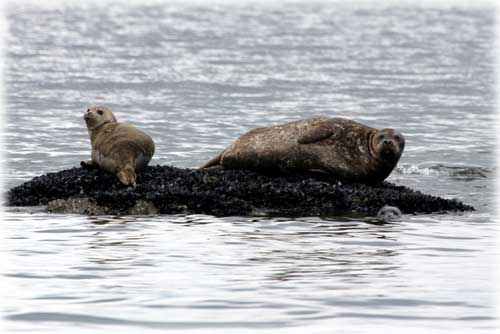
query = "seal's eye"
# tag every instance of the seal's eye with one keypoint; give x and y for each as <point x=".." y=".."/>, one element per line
<point x="398" y="138"/>
<point x="99" y="111"/>
<point x="381" y="137"/>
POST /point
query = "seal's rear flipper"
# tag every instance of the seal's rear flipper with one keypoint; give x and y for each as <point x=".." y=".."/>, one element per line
<point x="213" y="162"/>
<point x="127" y="176"/>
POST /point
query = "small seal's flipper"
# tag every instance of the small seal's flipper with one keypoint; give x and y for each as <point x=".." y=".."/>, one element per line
<point x="316" y="134"/>
<point x="213" y="162"/>
<point x="127" y="176"/>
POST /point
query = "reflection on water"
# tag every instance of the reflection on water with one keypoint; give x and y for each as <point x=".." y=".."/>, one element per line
<point x="187" y="272"/>
<point x="197" y="76"/>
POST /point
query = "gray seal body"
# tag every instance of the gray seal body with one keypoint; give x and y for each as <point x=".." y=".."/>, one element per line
<point x="342" y="148"/>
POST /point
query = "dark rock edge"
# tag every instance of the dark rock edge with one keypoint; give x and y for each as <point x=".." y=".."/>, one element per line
<point x="219" y="192"/>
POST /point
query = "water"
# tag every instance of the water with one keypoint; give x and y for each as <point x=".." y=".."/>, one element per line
<point x="197" y="76"/>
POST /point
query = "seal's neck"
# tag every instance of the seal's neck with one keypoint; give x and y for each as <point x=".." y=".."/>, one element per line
<point x="101" y="125"/>
<point x="372" y="149"/>
<point x="94" y="131"/>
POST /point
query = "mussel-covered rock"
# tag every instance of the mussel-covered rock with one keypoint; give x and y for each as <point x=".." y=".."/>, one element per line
<point x="220" y="192"/>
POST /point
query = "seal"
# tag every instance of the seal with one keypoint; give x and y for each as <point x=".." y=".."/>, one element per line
<point x="344" y="149"/>
<point x="389" y="213"/>
<point x="118" y="148"/>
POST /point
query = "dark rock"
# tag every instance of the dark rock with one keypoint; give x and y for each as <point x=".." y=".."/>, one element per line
<point x="219" y="192"/>
<point x="87" y="206"/>
<point x="83" y="206"/>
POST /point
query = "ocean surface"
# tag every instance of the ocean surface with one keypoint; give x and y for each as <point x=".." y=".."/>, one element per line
<point x="196" y="76"/>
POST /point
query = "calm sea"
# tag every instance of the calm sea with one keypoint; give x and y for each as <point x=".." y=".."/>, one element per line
<point x="196" y="77"/>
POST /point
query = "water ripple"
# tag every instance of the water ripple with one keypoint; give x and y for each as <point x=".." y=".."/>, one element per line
<point x="100" y="320"/>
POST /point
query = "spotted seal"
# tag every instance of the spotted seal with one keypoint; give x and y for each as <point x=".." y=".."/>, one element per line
<point x="118" y="148"/>
<point x="342" y="148"/>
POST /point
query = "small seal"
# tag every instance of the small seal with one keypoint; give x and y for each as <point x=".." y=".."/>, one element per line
<point x="389" y="213"/>
<point x="118" y="148"/>
<point x="339" y="147"/>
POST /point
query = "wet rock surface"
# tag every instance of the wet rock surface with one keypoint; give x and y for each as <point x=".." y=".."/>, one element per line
<point x="220" y="192"/>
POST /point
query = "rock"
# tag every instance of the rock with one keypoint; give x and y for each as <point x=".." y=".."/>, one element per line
<point x="143" y="208"/>
<point x="87" y="206"/>
<point x="219" y="192"/>
<point x="84" y="206"/>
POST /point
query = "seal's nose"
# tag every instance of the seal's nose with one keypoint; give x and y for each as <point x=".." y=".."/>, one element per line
<point x="86" y="116"/>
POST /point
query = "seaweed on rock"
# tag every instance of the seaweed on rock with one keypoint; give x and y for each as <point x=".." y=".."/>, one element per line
<point x="221" y="192"/>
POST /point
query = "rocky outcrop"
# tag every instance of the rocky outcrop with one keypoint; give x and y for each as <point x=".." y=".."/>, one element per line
<point x="220" y="192"/>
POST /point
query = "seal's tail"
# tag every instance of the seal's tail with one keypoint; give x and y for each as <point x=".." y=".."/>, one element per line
<point x="213" y="162"/>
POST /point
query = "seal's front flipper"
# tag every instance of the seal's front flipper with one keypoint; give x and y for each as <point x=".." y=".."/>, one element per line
<point x="88" y="165"/>
<point x="315" y="134"/>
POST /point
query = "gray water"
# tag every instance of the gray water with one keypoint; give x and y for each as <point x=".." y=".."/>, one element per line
<point x="196" y="77"/>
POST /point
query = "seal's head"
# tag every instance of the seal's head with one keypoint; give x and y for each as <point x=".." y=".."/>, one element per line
<point x="389" y="213"/>
<point x="97" y="116"/>
<point x="388" y="144"/>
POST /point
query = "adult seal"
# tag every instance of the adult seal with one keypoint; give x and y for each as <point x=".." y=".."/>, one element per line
<point x="118" y="148"/>
<point x="339" y="147"/>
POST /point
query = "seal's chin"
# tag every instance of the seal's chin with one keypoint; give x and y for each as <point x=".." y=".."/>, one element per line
<point x="88" y="120"/>
<point x="389" y="150"/>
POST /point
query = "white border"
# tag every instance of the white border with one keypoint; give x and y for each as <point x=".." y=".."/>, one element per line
<point x="3" y="256"/>
<point x="496" y="199"/>
<point x="55" y="3"/>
